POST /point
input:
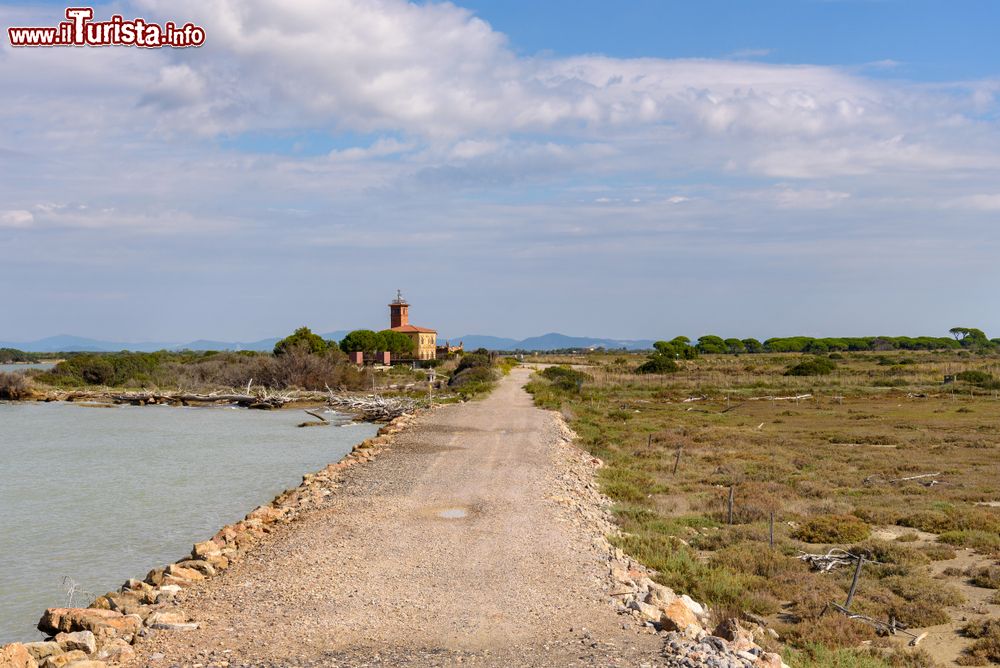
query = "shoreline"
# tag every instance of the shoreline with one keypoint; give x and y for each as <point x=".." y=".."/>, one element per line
<point x="104" y="630"/>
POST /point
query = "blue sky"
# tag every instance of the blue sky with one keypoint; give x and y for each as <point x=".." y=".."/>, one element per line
<point x="634" y="169"/>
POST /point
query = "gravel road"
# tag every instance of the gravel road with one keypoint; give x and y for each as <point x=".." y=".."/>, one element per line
<point x="460" y="544"/>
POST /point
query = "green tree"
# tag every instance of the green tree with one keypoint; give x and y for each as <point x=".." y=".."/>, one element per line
<point x="753" y="346"/>
<point x="397" y="343"/>
<point x="711" y="344"/>
<point x="735" y="346"/>
<point x="301" y="339"/>
<point x="362" y="340"/>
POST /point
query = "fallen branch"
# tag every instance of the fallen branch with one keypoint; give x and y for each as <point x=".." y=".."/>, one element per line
<point x="795" y="398"/>
<point x="825" y="563"/>
<point x="373" y="407"/>
<point x="879" y="480"/>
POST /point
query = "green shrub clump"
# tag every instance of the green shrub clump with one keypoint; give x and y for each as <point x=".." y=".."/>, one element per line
<point x="818" y="366"/>
<point x="565" y="378"/>
<point x="832" y="529"/>
<point x="658" y="363"/>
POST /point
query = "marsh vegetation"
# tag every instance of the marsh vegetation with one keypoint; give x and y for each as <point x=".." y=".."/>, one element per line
<point x="870" y="452"/>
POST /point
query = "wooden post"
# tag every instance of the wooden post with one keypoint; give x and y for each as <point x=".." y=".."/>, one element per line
<point x="854" y="583"/>
<point x="677" y="460"/>
<point x="649" y="441"/>
<point x="770" y="540"/>
<point x="732" y="493"/>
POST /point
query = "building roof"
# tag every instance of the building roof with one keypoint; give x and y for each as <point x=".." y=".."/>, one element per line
<point x="412" y="328"/>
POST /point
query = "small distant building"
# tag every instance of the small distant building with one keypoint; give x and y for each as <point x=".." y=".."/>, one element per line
<point x="424" y="339"/>
<point x="448" y="349"/>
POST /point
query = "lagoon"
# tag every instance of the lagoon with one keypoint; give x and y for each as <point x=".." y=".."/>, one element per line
<point x="94" y="496"/>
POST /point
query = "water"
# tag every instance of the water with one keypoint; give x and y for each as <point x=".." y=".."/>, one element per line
<point x="100" y="495"/>
<point x="24" y="367"/>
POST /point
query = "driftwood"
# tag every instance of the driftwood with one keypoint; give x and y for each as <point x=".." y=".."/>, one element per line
<point x="891" y="627"/>
<point x="879" y="480"/>
<point x="827" y="562"/>
<point x="797" y="397"/>
<point x="323" y="422"/>
<point x="261" y="399"/>
<point x="372" y="407"/>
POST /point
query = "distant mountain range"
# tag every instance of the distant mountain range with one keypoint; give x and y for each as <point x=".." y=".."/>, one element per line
<point x="553" y="341"/>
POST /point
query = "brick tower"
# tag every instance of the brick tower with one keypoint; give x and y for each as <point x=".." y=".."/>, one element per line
<point x="399" y="311"/>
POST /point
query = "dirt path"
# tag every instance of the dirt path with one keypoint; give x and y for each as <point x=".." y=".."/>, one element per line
<point x="451" y="547"/>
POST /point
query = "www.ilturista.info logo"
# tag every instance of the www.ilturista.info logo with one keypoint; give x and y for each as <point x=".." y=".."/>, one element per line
<point x="80" y="30"/>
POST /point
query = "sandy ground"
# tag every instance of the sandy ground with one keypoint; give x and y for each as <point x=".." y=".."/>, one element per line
<point x="447" y="549"/>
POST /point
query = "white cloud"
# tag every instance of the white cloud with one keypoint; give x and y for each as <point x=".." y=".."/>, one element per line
<point x="16" y="218"/>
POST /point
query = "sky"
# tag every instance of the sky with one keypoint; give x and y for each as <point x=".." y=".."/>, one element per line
<point x="635" y="169"/>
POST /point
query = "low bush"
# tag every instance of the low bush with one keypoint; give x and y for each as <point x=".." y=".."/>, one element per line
<point x="985" y="576"/>
<point x="832" y="529"/>
<point x="974" y="376"/>
<point x="818" y="366"/>
<point x="986" y="649"/>
<point x="658" y="363"/>
<point x="982" y="541"/>
<point x="15" y="386"/>
<point x="471" y="375"/>
<point x="565" y="378"/>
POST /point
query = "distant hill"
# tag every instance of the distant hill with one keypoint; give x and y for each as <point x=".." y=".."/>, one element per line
<point x="552" y="341"/>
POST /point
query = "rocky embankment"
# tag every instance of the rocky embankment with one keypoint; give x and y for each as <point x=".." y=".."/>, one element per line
<point x="106" y="631"/>
<point x="682" y="622"/>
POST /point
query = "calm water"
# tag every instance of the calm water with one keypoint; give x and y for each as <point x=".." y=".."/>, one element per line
<point x="24" y="367"/>
<point x="100" y="495"/>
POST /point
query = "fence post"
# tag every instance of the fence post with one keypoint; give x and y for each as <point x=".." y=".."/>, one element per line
<point x="677" y="461"/>
<point x="770" y="540"/>
<point x="732" y="493"/>
<point x="854" y="582"/>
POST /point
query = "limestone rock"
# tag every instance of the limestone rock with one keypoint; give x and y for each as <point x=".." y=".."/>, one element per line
<point x="678" y="617"/>
<point x="265" y="514"/>
<point x="202" y="567"/>
<point x="649" y="612"/>
<point x="81" y="640"/>
<point x="116" y="650"/>
<point x="40" y="650"/>
<point x="740" y="638"/>
<point x="693" y="605"/>
<point x="208" y="548"/>
<point x="103" y="623"/>
<point x="60" y="660"/>
<point x="771" y="660"/>
<point x="176" y="571"/>
<point x="166" y="617"/>
<point x="16" y="655"/>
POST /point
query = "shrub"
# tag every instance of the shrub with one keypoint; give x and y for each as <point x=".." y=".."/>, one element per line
<point x="565" y="378"/>
<point x="15" y="386"/>
<point x="658" y="363"/>
<point x="973" y="376"/>
<point x="832" y="529"/>
<point x="987" y="645"/>
<point x="470" y="376"/>
<point x="985" y="576"/>
<point x="983" y="541"/>
<point x="890" y="553"/>
<point x="473" y="360"/>
<point x="818" y="366"/>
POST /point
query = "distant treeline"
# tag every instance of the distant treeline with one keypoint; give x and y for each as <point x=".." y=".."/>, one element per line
<point x="967" y="338"/>
<point x="15" y="356"/>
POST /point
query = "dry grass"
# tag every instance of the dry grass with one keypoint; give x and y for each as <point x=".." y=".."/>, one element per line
<point x="828" y="467"/>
